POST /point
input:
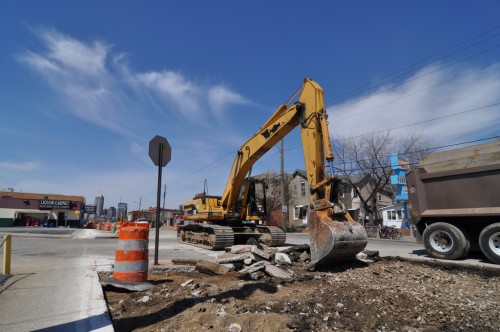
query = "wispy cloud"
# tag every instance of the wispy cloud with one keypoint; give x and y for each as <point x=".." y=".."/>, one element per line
<point x="97" y="85"/>
<point x="23" y="166"/>
<point x="136" y="148"/>
<point x="220" y="97"/>
<point x="87" y="59"/>
<point x="438" y="94"/>
<point x="93" y="81"/>
<point x="175" y="87"/>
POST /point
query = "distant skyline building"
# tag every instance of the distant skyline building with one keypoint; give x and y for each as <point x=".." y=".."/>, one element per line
<point x="111" y="212"/>
<point x="122" y="210"/>
<point x="99" y="204"/>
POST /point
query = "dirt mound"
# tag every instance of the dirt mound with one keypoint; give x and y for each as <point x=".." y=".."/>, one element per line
<point x="388" y="295"/>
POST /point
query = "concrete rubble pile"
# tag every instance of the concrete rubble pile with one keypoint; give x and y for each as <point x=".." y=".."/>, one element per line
<point x="255" y="261"/>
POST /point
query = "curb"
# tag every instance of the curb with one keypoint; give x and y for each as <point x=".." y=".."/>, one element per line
<point x="433" y="262"/>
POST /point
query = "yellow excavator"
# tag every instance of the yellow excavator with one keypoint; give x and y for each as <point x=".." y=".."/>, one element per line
<point x="216" y="222"/>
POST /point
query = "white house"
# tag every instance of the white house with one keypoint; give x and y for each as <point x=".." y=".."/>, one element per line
<point x="392" y="215"/>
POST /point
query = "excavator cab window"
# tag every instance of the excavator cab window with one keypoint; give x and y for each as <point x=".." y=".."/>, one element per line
<point x="257" y="198"/>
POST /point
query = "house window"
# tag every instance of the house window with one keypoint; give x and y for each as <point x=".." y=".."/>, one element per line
<point x="294" y="192"/>
<point x="296" y="212"/>
<point x="379" y="198"/>
<point x="299" y="212"/>
<point x="303" y="189"/>
<point x="400" y="214"/>
<point x="354" y="193"/>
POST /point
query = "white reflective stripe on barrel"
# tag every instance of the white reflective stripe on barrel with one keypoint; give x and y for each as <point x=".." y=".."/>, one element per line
<point x="133" y="245"/>
<point x="131" y="266"/>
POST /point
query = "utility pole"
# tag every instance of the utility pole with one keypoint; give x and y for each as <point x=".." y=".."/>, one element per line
<point x="163" y="208"/>
<point x="284" y="208"/>
<point x="140" y="200"/>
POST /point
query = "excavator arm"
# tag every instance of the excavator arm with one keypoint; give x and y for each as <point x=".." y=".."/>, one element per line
<point x="310" y="113"/>
<point x="334" y="234"/>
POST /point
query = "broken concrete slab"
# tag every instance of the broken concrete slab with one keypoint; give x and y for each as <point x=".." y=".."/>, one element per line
<point x="299" y="247"/>
<point x="261" y="253"/>
<point x="304" y="257"/>
<point x="211" y="268"/>
<point x="185" y="261"/>
<point x="230" y="266"/>
<point x="282" y="259"/>
<point x="276" y="272"/>
<point x="242" y="248"/>
<point x="257" y="258"/>
<point x="187" y="282"/>
<point x="230" y="258"/>
<point x="255" y="275"/>
<point x="254" y="267"/>
<point x="372" y="254"/>
<point x="252" y="241"/>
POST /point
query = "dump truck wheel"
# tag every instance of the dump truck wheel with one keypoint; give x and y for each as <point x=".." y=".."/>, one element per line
<point x="445" y="241"/>
<point x="468" y="240"/>
<point x="489" y="242"/>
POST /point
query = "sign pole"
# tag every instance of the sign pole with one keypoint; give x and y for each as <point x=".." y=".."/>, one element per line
<point x="158" y="194"/>
<point x="160" y="154"/>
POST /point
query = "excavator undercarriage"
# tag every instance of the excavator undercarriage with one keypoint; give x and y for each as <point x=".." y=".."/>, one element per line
<point x="216" y="237"/>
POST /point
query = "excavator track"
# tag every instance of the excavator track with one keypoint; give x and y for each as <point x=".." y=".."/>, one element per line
<point x="213" y="237"/>
<point x="273" y="236"/>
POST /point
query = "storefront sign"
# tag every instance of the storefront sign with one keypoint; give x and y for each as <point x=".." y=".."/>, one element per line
<point x="400" y="164"/>
<point x="90" y="209"/>
<point x="46" y="204"/>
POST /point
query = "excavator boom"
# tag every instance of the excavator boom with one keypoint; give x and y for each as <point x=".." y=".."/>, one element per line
<point x="334" y="235"/>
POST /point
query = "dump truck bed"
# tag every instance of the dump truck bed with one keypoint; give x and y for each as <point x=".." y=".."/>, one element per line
<point x="460" y="182"/>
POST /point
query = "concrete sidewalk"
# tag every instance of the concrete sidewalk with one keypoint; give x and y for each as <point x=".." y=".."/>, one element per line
<point x="56" y="294"/>
<point x="80" y="305"/>
<point x="69" y="233"/>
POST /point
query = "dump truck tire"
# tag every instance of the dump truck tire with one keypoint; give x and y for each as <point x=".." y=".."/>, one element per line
<point x="468" y="239"/>
<point x="489" y="242"/>
<point x="444" y="241"/>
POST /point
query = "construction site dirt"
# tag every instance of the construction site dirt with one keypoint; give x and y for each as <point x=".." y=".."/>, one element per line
<point x="382" y="295"/>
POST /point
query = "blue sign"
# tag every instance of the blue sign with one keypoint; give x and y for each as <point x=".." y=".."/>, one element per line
<point x="400" y="164"/>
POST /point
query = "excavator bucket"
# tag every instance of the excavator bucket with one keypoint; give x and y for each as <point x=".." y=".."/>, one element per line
<point x="334" y="240"/>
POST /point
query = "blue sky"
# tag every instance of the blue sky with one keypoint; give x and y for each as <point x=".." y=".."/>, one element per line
<point x="85" y="85"/>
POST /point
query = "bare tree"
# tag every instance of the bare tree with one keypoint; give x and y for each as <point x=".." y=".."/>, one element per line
<point x="273" y="192"/>
<point x="368" y="158"/>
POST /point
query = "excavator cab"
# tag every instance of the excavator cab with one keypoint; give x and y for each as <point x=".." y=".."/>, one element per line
<point x="252" y="201"/>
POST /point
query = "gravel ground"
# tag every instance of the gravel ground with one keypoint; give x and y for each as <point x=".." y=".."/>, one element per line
<point x="386" y="295"/>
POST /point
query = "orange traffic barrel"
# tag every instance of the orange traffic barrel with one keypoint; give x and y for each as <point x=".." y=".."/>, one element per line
<point x="131" y="263"/>
<point x="118" y="227"/>
<point x="107" y="226"/>
<point x="144" y="224"/>
<point x="176" y="226"/>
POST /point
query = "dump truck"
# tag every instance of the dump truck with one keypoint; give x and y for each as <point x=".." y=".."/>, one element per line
<point x="216" y="222"/>
<point x="454" y="201"/>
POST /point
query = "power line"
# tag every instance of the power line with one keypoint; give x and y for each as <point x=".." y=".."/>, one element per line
<point x="429" y="120"/>
<point x="413" y="79"/>
<point x="412" y="124"/>
<point x="412" y="152"/>
<point x="385" y="78"/>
